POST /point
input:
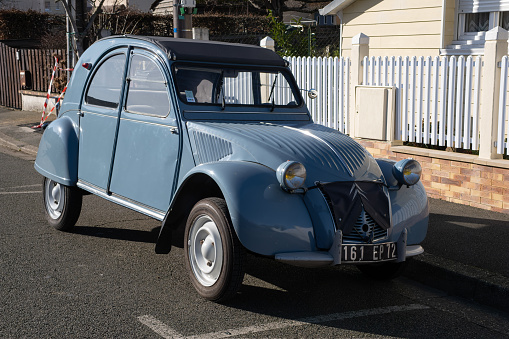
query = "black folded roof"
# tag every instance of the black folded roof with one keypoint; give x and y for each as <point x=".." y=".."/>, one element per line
<point x="214" y="51"/>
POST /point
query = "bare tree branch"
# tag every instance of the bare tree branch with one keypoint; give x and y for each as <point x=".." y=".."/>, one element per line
<point x="79" y="36"/>
<point x="92" y="18"/>
<point x="254" y="4"/>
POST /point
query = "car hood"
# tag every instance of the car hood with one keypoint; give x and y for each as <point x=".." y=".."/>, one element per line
<point x="327" y="154"/>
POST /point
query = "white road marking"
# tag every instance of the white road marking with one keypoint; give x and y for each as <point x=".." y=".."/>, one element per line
<point x="22" y="192"/>
<point x="160" y="328"/>
<point x="468" y="224"/>
<point x="27" y="129"/>
<point x="4" y="189"/>
<point x="167" y="332"/>
<point x="35" y="185"/>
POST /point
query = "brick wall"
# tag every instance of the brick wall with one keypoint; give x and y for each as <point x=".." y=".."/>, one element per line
<point x="459" y="178"/>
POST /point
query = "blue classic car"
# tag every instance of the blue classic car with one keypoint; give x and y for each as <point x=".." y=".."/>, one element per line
<point x="214" y="140"/>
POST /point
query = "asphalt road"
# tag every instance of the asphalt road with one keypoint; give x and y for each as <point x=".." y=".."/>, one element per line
<point x="105" y="281"/>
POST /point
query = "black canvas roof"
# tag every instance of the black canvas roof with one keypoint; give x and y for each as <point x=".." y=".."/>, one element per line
<point x="215" y="51"/>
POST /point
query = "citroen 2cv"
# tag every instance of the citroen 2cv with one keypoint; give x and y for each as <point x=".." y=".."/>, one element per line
<point x="214" y="138"/>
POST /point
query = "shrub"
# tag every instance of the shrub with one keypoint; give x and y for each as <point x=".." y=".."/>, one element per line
<point x="16" y="24"/>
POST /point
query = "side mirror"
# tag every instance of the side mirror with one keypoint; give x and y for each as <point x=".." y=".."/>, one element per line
<point x="312" y="93"/>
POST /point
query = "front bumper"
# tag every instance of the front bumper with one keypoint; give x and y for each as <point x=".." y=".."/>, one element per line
<point x="333" y="256"/>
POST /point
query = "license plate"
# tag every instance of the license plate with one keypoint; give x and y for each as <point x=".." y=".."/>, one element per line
<point x="369" y="253"/>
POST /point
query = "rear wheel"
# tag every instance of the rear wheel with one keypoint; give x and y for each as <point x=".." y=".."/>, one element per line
<point x="214" y="255"/>
<point x="62" y="204"/>
<point x="383" y="271"/>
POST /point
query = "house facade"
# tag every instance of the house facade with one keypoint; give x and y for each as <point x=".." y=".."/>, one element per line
<point x="56" y="7"/>
<point x="419" y="28"/>
<point x="44" y="6"/>
<point x="162" y="7"/>
<point x="140" y="5"/>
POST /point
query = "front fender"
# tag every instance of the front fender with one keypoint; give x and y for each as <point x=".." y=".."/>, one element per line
<point x="57" y="157"/>
<point x="409" y="206"/>
<point x="267" y="219"/>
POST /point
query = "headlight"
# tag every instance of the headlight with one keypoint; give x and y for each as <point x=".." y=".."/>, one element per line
<point x="407" y="171"/>
<point x="291" y="175"/>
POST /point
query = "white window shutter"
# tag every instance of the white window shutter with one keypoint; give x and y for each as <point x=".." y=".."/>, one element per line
<point x="476" y="6"/>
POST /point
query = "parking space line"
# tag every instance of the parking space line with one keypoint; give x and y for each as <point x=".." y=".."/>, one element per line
<point x="167" y="332"/>
<point x="159" y="327"/>
<point x="22" y="192"/>
<point x="24" y="186"/>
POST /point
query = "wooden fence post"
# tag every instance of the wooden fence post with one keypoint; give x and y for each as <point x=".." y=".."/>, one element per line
<point x="494" y="49"/>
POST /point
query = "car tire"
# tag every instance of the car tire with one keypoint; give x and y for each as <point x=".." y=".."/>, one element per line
<point x="62" y="204"/>
<point x="214" y="256"/>
<point x="383" y="271"/>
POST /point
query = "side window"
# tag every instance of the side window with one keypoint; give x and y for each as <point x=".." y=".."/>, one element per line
<point x="104" y="90"/>
<point x="147" y="93"/>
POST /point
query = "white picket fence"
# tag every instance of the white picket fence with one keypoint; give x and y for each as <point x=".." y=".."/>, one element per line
<point x="437" y="99"/>
<point x="503" y="124"/>
<point x="331" y="78"/>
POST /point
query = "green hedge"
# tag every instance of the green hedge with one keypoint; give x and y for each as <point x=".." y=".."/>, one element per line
<point x="232" y="24"/>
<point x="16" y="24"/>
<point x="162" y="25"/>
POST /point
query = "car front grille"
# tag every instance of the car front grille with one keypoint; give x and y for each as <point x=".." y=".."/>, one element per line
<point x="365" y="230"/>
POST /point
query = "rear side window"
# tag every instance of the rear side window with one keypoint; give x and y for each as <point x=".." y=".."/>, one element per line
<point x="104" y="89"/>
<point x="147" y="93"/>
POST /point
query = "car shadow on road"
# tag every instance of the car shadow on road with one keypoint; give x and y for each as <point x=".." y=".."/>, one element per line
<point x="118" y="233"/>
<point x="296" y="284"/>
<point x="295" y="293"/>
<point x="128" y="234"/>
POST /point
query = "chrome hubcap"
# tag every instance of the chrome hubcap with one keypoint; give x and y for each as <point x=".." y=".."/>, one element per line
<point x="205" y="250"/>
<point x="54" y="198"/>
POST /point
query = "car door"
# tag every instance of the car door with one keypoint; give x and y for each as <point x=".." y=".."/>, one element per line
<point x="147" y="149"/>
<point x="98" y="119"/>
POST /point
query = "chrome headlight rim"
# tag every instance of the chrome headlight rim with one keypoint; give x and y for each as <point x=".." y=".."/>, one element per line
<point x="407" y="171"/>
<point x="291" y="175"/>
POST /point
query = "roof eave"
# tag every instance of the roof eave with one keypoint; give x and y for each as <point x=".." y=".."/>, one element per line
<point x="335" y="6"/>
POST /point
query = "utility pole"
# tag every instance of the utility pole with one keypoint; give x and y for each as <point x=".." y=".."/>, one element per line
<point x="176" y="14"/>
<point x="182" y="19"/>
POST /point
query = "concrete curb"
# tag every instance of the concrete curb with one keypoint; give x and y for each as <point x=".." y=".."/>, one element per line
<point x="16" y="145"/>
<point x="461" y="280"/>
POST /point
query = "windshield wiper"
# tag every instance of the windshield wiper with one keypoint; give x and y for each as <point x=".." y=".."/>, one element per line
<point x="223" y="101"/>
<point x="272" y="91"/>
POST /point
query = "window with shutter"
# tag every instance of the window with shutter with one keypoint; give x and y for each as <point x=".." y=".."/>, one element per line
<point x="473" y="19"/>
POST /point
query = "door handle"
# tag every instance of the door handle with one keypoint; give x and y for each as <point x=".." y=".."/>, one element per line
<point x="174" y="130"/>
<point x="81" y="114"/>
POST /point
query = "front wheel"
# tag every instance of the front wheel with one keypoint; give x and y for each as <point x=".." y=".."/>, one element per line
<point x="62" y="204"/>
<point x="383" y="271"/>
<point x="213" y="253"/>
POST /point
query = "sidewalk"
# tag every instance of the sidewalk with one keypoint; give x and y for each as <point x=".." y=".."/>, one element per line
<point x="16" y="132"/>
<point x="466" y="249"/>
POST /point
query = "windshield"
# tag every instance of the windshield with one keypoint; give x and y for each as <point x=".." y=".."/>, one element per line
<point x="235" y="86"/>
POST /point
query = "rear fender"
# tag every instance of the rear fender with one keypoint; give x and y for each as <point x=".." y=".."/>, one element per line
<point x="57" y="157"/>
